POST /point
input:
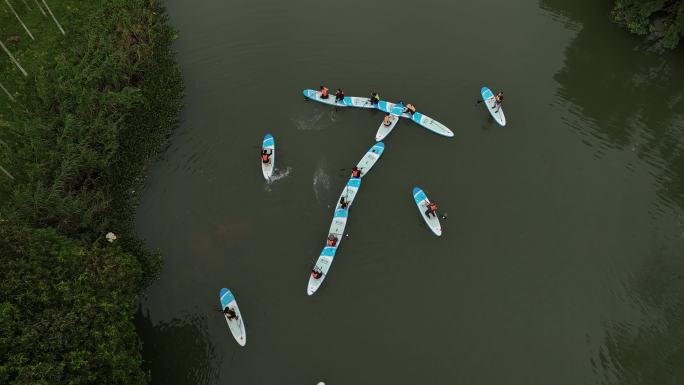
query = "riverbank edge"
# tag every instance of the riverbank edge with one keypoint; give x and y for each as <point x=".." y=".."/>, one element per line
<point x="77" y="137"/>
<point x="661" y="22"/>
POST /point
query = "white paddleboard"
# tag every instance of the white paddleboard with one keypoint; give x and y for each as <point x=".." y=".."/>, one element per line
<point x="326" y="257"/>
<point x="355" y="101"/>
<point x="429" y="123"/>
<point x="422" y="202"/>
<point x="384" y="130"/>
<point x="316" y="95"/>
<point x="371" y="157"/>
<point x="267" y="168"/>
<point x="490" y="103"/>
<point x="349" y="192"/>
<point x="237" y="327"/>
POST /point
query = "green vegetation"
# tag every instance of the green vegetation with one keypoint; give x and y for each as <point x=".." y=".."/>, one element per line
<point x="76" y="136"/>
<point x="663" y="19"/>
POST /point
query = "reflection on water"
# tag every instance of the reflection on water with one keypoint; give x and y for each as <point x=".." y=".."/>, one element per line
<point x="622" y="95"/>
<point x="179" y="351"/>
<point x="630" y="99"/>
<point x="653" y="353"/>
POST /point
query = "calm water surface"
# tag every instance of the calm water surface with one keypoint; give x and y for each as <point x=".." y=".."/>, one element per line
<point x="561" y="260"/>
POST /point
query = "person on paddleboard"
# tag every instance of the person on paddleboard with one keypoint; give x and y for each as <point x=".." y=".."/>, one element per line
<point x="316" y="273"/>
<point x="387" y="121"/>
<point x="375" y="98"/>
<point x="332" y="240"/>
<point x="498" y="98"/>
<point x="343" y="203"/>
<point x="230" y="313"/>
<point x="431" y="209"/>
<point x="339" y="95"/>
<point x="410" y="108"/>
<point x="324" y="92"/>
<point x="356" y="173"/>
<point x="266" y="155"/>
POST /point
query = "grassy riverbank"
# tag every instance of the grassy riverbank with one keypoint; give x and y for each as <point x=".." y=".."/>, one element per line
<point x="76" y="136"/>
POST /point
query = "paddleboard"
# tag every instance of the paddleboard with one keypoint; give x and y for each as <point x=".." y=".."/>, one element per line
<point x="355" y="101"/>
<point x="429" y="123"/>
<point x="237" y="327"/>
<point x="384" y="130"/>
<point x="349" y="192"/>
<point x="326" y="257"/>
<point x="371" y="157"/>
<point x="490" y="102"/>
<point x="422" y="202"/>
<point x="316" y="95"/>
<point x="385" y="106"/>
<point x="268" y="144"/>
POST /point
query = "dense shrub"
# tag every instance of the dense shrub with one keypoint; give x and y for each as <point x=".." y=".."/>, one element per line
<point x="664" y="19"/>
<point x="97" y="106"/>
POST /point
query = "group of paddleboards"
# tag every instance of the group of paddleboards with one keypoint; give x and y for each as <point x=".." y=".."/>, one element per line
<point x="398" y="110"/>
<point x="426" y="207"/>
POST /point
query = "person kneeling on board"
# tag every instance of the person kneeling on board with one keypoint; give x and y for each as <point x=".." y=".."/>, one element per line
<point x="230" y="313"/>
<point x="339" y="95"/>
<point x="356" y="173"/>
<point x="410" y="108"/>
<point x="498" y="98"/>
<point x="324" y="92"/>
<point x="343" y="203"/>
<point x="431" y="209"/>
<point x="375" y="98"/>
<point x="387" y="121"/>
<point x="332" y="240"/>
<point x="266" y="156"/>
<point x="316" y="274"/>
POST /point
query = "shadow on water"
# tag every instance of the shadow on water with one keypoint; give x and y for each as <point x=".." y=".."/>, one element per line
<point x="633" y="100"/>
<point x="632" y="97"/>
<point x="177" y="352"/>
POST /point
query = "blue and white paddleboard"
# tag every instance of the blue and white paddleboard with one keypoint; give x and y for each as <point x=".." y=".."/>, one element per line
<point x="316" y="95"/>
<point x="371" y="157"/>
<point x="237" y="327"/>
<point x="422" y="202"/>
<point x="422" y="120"/>
<point x="385" y="106"/>
<point x="326" y="257"/>
<point x="349" y="193"/>
<point x="490" y="103"/>
<point x="269" y="145"/>
<point x="385" y="129"/>
<point x="358" y="102"/>
<point x="429" y="123"/>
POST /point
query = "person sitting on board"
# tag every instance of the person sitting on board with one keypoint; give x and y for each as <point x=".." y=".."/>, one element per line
<point x="343" y="203"/>
<point x="498" y="98"/>
<point x="356" y="173"/>
<point x="375" y="98"/>
<point x="316" y="273"/>
<point x="324" y="92"/>
<point x="339" y="95"/>
<point x="230" y="313"/>
<point x="387" y="121"/>
<point x="332" y="240"/>
<point x="266" y="156"/>
<point x="410" y="108"/>
<point x="431" y="209"/>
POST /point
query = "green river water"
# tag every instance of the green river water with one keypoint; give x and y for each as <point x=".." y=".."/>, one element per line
<point x="561" y="260"/>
